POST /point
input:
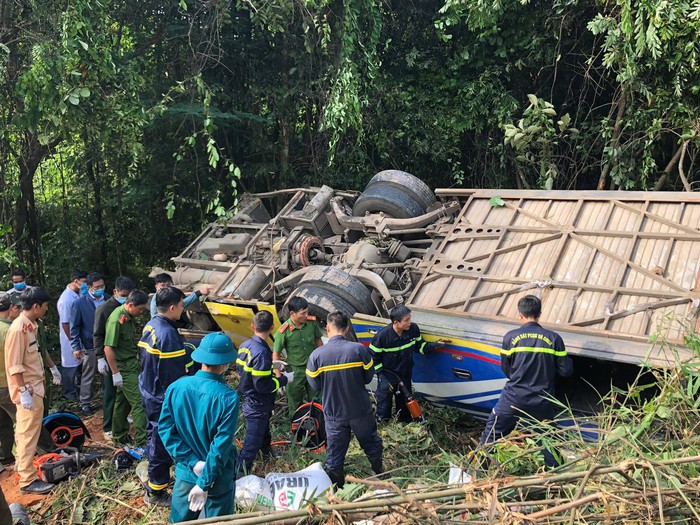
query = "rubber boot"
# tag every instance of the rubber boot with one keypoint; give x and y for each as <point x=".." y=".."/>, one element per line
<point x="337" y="477"/>
<point x="376" y="464"/>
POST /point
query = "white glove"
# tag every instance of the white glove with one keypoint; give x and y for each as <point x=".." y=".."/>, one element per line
<point x="279" y="365"/>
<point x="26" y="399"/>
<point x="289" y="376"/>
<point x="102" y="366"/>
<point x="197" y="497"/>
<point x="56" y="375"/>
<point x="117" y="380"/>
<point x="198" y="468"/>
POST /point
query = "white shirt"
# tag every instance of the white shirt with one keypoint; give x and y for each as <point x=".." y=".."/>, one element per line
<point x="68" y="297"/>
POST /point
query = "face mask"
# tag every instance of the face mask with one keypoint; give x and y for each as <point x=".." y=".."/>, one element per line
<point x="120" y="300"/>
<point x="19" y="286"/>
<point x="99" y="292"/>
<point x="83" y="288"/>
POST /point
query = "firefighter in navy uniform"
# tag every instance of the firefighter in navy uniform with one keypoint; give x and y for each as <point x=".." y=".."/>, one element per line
<point x="258" y="385"/>
<point x="531" y="358"/>
<point x="392" y="350"/>
<point x="340" y="369"/>
<point x="165" y="358"/>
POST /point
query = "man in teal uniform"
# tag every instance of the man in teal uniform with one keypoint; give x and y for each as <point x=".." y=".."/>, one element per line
<point x="299" y="335"/>
<point x="122" y="355"/>
<point x="197" y="426"/>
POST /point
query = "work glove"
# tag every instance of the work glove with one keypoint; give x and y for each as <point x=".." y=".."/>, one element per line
<point x="56" y="375"/>
<point x="102" y="366"/>
<point x="117" y="380"/>
<point x="279" y="365"/>
<point x="198" y="468"/>
<point x="26" y="399"/>
<point x="197" y="497"/>
<point x="289" y="376"/>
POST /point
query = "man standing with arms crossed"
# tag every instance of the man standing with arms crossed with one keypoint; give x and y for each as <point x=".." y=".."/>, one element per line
<point x="25" y="373"/>
<point x="123" y="286"/>
<point x="340" y="369"/>
<point x="165" y="358"/>
<point x="299" y="335"/>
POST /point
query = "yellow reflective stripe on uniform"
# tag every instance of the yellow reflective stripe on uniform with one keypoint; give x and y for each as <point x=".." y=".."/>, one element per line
<point x="341" y="366"/>
<point x="394" y="348"/>
<point x="277" y="384"/>
<point x="378" y="366"/>
<point x="155" y="486"/>
<point x="188" y="365"/>
<point x="162" y="355"/>
<point x="247" y="367"/>
<point x="534" y="350"/>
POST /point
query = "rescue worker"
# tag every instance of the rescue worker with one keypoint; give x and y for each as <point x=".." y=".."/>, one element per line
<point x="197" y="425"/>
<point x="25" y="374"/>
<point x="258" y="386"/>
<point x="123" y="286"/>
<point x="340" y="369"/>
<point x="531" y="358"/>
<point x="121" y="353"/>
<point x="165" y="358"/>
<point x="392" y="350"/>
<point x="299" y="336"/>
<point x="163" y="280"/>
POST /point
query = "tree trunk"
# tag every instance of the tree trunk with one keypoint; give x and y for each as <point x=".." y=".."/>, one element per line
<point x="27" y="234"/>
<point x="615" y="140"/>
<point x="92" y="169"/>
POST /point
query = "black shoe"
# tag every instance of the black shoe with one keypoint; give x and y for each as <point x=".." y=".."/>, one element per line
<point x="377" y="466"/>
<point x="159" y="498"/>
<point x="269" y="452"/>
<point x="38" y="487"/>
<point x="7" y="461"/>
<point x="337" y="477"/>
<point x="87" y="411"/>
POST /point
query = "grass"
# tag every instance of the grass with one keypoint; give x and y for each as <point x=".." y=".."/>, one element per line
<point x="644" y="468"/>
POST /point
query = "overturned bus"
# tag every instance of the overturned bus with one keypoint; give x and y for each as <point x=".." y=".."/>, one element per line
<point x="617" y="273"/>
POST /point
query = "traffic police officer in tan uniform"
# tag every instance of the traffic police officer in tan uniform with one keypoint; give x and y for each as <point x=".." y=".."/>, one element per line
<point x="299" y="336"/>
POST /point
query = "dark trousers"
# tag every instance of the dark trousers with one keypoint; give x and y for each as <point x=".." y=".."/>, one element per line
<point x="504" y="417"/>
<point x="109" y="394"/>
<point x="257" y="436"/>
<point x="216" y="505"/>
<point x="159" y="461"/>
<point x="68" y="380"/>
<point x="5" y="512"/>
<point x="387" y="391"/>
<point x="338" y="439"/>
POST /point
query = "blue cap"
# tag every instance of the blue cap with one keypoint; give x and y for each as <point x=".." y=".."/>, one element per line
<point x="215" y="349"/>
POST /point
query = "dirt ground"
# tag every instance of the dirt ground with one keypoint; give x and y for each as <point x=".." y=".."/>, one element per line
<point x="8" y="480"/>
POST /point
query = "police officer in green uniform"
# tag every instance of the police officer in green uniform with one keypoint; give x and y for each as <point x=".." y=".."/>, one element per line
<point x="122" y="354"/>
<point x="299" y="336"/>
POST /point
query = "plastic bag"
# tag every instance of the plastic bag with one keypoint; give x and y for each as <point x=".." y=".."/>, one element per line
<point x="254" y="493"/>
<point x="458" y="476"/>
<point x="296" y="490"/>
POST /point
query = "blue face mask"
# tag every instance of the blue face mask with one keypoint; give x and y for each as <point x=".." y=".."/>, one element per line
<point x="19" y="286"/>
<point x="99" y="292"/>
<point x="83" y="288"/>
<point x="120" y="300"/>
